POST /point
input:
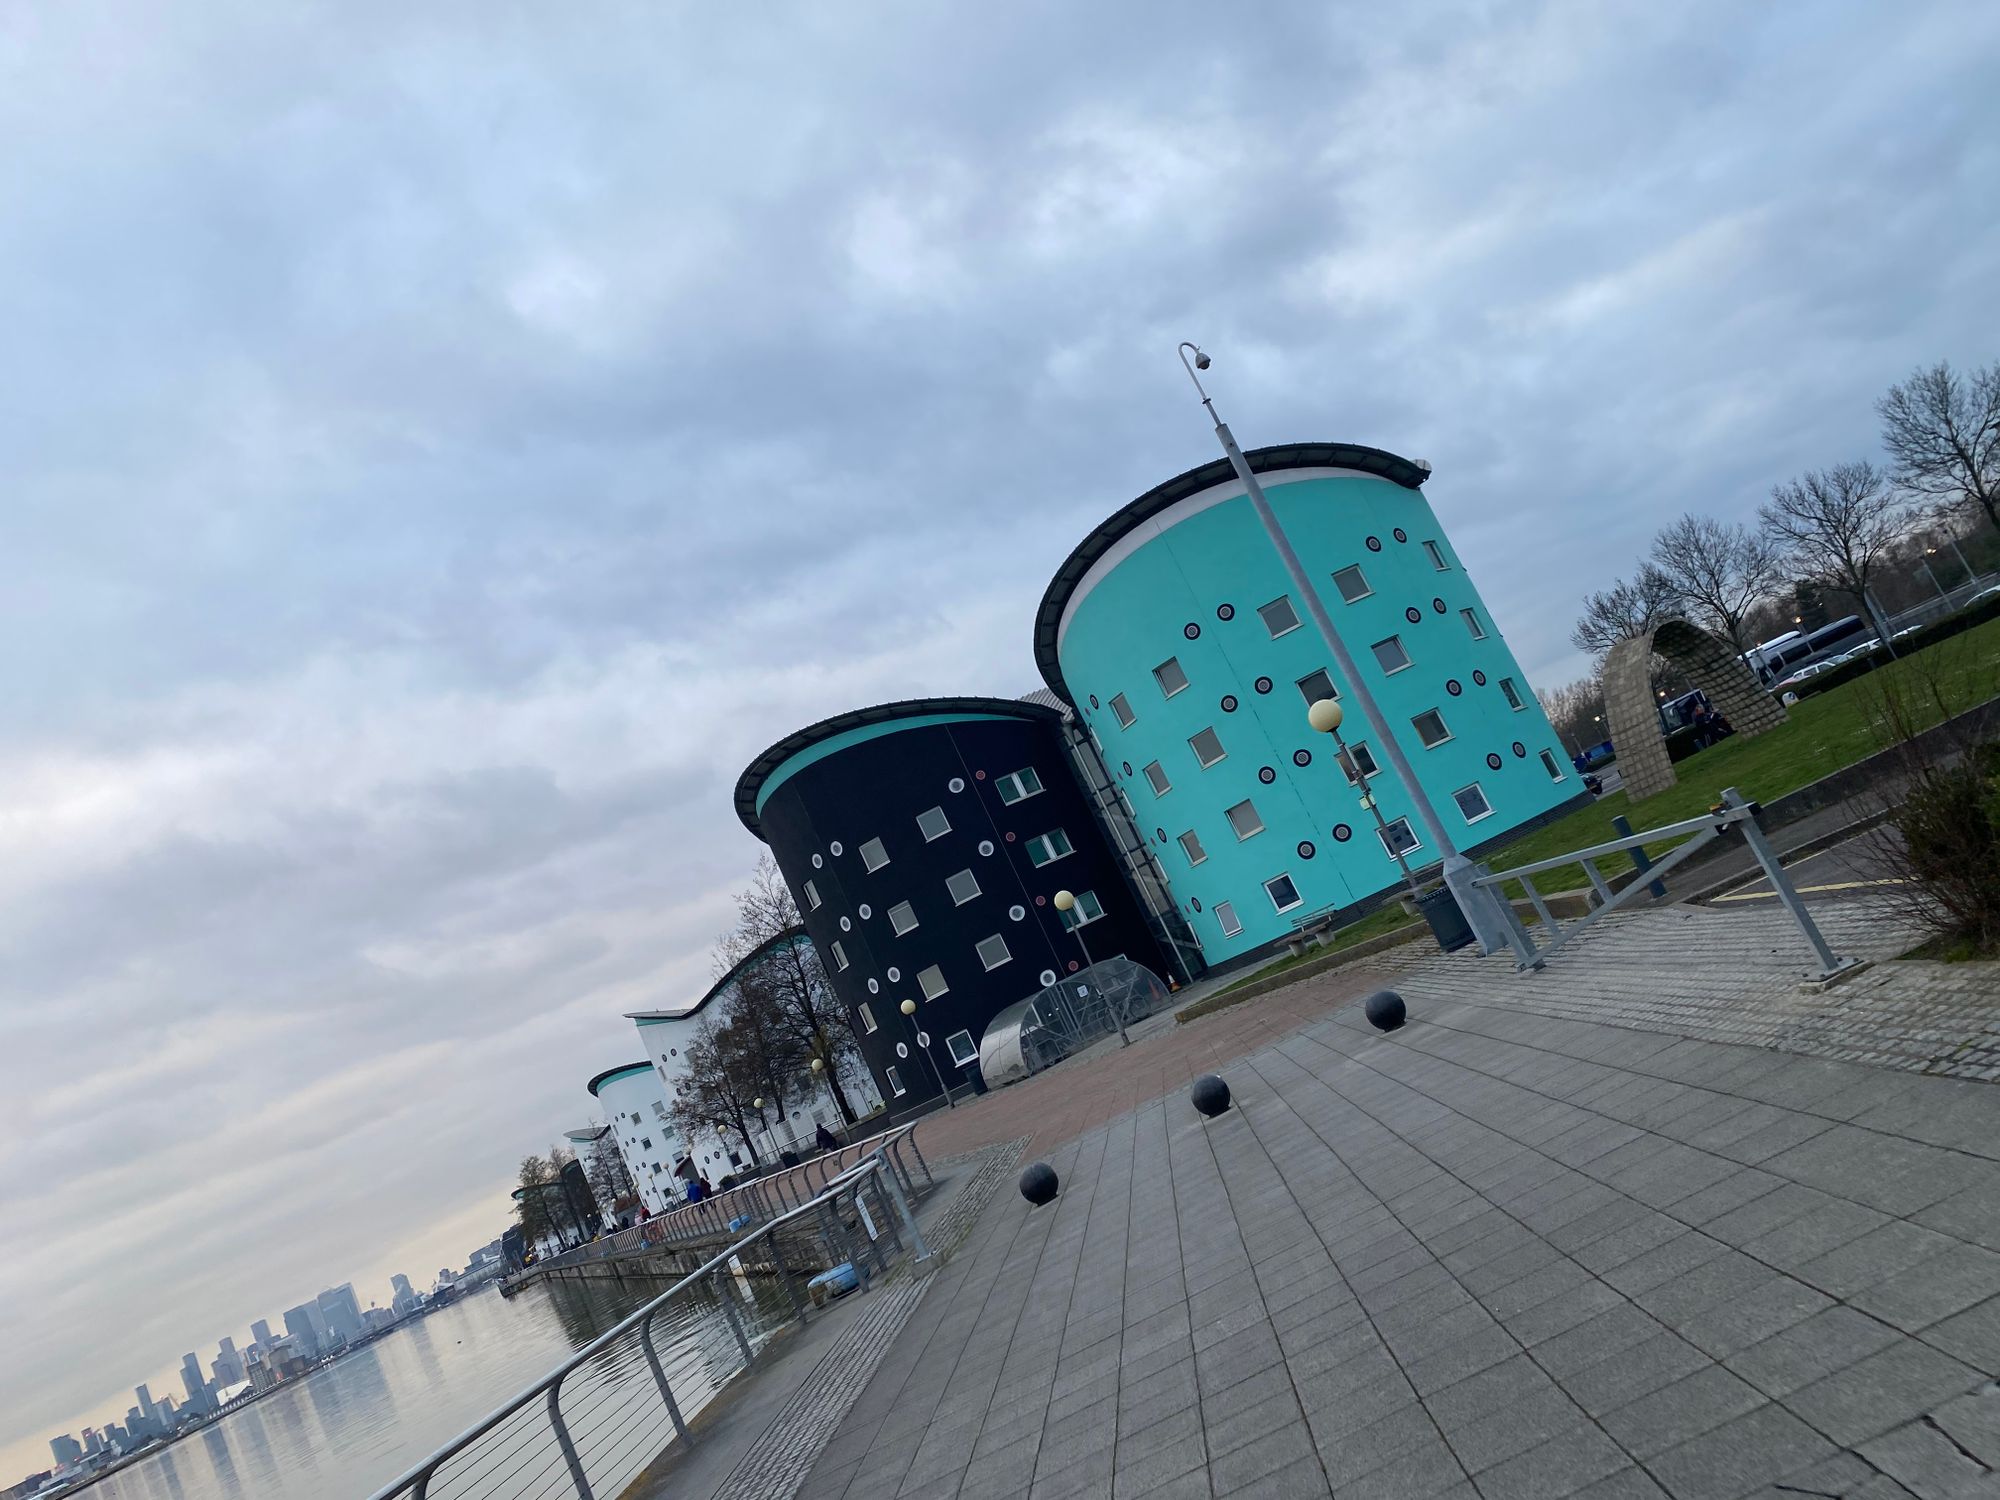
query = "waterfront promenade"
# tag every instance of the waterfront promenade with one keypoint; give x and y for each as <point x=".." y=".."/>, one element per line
<point x="1507" y="1252"/>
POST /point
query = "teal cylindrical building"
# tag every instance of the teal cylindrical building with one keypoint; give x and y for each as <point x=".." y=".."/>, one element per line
<point x="1175" y="632"/>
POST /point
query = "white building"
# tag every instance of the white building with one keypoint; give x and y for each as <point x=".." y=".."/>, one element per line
<point x="789" y="1124"/>
<point x="635" y="1106"/>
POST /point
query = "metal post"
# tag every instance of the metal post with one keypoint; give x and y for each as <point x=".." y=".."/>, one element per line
<point x="1641" y="861"/>
<point x="1830" y="962"/>
<point x="729" y="1312"/>
<point x="911" y="1137"/>
<point x="1352" y="769"/>
<point x="785" y="1277"/>
<point x="1472" y="900"/>
<point x="660" y="1378"/>
<point x="563" y="1442"/>
<point x="909" y="1220"/>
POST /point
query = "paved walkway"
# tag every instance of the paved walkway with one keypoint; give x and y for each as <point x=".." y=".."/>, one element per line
<point x="1504" y="1252"/>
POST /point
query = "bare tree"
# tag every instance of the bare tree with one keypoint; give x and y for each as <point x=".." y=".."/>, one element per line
<point x="720" y="1087"/>
<point x="1576" y="709"/>
<point x="1625" y="610"/>
<point x="1838" y="523"/>
<point x="531" y="1208"/>
<point x="1943" y="430"/>
<point x="1720" y="572"/>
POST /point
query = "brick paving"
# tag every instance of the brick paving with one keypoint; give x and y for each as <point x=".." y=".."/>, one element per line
<point x="1508" y="1251"/>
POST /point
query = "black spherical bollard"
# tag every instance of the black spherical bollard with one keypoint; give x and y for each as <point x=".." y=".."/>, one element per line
<point x="1039" y="1183"/>
<point x="1210" y="1094"/>
<point x="1384" y="1010"/>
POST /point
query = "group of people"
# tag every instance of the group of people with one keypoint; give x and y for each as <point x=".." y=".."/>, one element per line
<point x="698" y="1188"/>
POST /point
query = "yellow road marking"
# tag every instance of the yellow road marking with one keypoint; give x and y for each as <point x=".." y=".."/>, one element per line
<point x="1814" y="890"/>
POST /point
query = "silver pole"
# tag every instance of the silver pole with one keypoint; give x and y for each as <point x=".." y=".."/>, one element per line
<point x="1474" y="902"/>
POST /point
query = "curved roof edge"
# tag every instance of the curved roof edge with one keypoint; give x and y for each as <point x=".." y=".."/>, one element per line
<point x="789" y="935"/>
<point x="584" y="1134"/>
<point x="610" y="1073"/>
<point x="1048" y="616"/>
<point x="750" y="785"/>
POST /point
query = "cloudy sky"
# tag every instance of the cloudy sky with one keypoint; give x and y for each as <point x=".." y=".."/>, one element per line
<point x="439" y="445"/>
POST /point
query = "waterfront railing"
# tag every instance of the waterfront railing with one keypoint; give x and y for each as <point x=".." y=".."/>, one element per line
<point x="597" y="1421"/>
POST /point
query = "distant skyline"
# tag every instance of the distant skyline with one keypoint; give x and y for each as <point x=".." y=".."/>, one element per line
<point x="443" y="445"/>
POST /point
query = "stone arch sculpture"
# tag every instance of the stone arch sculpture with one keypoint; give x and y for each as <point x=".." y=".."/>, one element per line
<point x="1710" y="663"/>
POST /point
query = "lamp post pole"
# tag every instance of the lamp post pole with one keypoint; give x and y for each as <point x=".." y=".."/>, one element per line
<point x="1325" y="716"/>
<point x="909" y="1009"/>
<point x="1476" y="904"/>
<point x="1066" y="903"/>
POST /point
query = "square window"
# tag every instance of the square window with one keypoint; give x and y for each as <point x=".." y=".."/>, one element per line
<point x="1359" y="758"/>
<point x="895" y="1081"/>
<point x="1170" y="677"/>
<point x="1191" y="847"/>
<point x="867" y="1016"/>
<point x="1390" y="655"/>
<point x="1225" y="917"/>
<point x="964" y="1051"/>
<point x="1278" y="616"/>
<point x="1472" y="802"/>
<point x="1471" y="618"/>
<point x="963" y="887"/>
<point x="1284" y="895"/>
<point x="839" y="955"/>
<point x="931" y="982"/>
<point x="993" y="951"/>
<point x="1156" y="777"/>
<point x="1047" y="848"/>
<point x="1551" y="765"/>
<point x="1437" y="557"/>
<point x="1397" y="838"/>
<point x="1512" y="694"/>
<point x="1123" y="708"/>
<point x="1352" y="583"/>
<point x="1316" y="687"/>
<point x="1017" y="785"/>
<point x="812" y="896"/>
<point x="933" y="824"/>
<point x="1087" y="910"/>
<point x="1244" y="820"/>
<point x="1430" y="728"/>
<point x="1207" y="747"/>
<point x="903" y="917"/>
<point x="873" y="856"/>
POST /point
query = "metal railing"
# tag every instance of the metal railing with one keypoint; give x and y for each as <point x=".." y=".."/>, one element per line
<point x="755" y="1202"/>
<point x="1732" y="812"/>
<point x="605" y="1414"/>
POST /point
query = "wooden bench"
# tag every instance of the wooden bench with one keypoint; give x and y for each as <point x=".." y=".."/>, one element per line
<point x="1310" y="930"/>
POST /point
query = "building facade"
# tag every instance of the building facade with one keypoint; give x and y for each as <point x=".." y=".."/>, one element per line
<point x="635" y="1107"/>
<point x="1176" y="633"/>
<point x="924" y="842"/>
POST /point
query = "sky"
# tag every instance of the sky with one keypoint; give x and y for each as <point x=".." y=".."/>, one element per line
<point x="440" y="445"/>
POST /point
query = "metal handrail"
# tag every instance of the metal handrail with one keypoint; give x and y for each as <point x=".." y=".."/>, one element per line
<point x="706" y="1217"/>
<point x="415" y="1481"/>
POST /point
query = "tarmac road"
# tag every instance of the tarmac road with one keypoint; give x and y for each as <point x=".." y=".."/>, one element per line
<point x="1854" y="868"/>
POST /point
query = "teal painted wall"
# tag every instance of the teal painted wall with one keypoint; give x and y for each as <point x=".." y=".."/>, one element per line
<point x="1133" y="619"/>
<point x="834" y="744"/>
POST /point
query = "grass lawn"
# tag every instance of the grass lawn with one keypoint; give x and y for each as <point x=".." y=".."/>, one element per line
<point x="1388" y="919"/>
<point x="1823" y="733"/>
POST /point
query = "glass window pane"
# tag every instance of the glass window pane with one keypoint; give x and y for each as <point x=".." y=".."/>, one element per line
<point x="1316" y="687"/>
<point x="1352" y="584"/>
<point x="933" y="824"/>
<point x="1225" y="916"/>
<point x="1169" y="676"/>
<point x="1390" y="655"/>
<point x="993" y="951"/>
<point x="1122" y="708"/>
<point x="1430" y="728"/>
<point x="1471" y="618"/>
<point x="1207" y="747"/>
<point x="903" y="917"/>
<point x="1244" y="820"/>
<point x="873" y="855"/>
<point x="931" y="982"/>
<point x="1157" y="778"/>
<point x="963" y="887"/>
<point x="1191" y="847"/>
<point x="1284" y="895"/>
<point x="1278" y="616"/>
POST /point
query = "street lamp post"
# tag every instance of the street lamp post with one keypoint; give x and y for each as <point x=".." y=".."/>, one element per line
<point x="1477" y="904"/>
<point x="1325" y="716"/>
<point x="921" y="1039"/>
<point x="820" y="1072"/>
<point x="1066" y="903"/>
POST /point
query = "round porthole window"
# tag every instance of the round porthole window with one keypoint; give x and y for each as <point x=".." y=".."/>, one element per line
<point x="1047" y="977"/>
<point x="1478" y="678"/>
<point x="1267" y="774"/>
<point x="1191" y="630"/>
<point x="1520" y="750"/>
<point x="1041" y="900"/>
<point x="1016" y="913"/>
<point x="874" y="986"/>
<point x="1229" y="703"/>
<point x="1306" y="850"/>
<point x="895" y="974"/>
<point x="1126" y="767"/>
<point x="1093" y="700"/>
<point x="1493" y="760"/>
<point x="818" y="862"/>
<point x="867" y="911"/>
<point x="1413" y="615"/>
<point x="1073" y="966"/>
<point x="1225" y="611"/>
<point x="956" y="784"/>
<point x="986" y="848"/>
<point x="1262" y="684"/>
<point x="1160" y="834"/>
<point x="1195" y="902"/>
<point x="1400" y="535"/>
<point x="1452" y="686"/>
<point x="902" y="1049"/>
<point x="1009" y="836"/>
<point x="1374" y="544"/>
<point x="1439" y="605"/>
<point x="1342" y="833"/>
<point x="1302" y="757"/>
<point x="845" y="925"/>
<point x="834" y="849"/>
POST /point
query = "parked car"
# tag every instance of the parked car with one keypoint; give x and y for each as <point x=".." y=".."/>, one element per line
<point x="1806" y="674"/>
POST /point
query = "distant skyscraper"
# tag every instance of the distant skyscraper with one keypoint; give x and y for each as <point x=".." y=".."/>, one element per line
<point x="341" y="1312"/>
<point x="66" y="1449"/>
<point x="149" y="1414"/>
<point x="93" y="1440"/>
<point x="399" y="1284"/>
<point x="302" y="1327"/>
<point x="228" y="1363"/>
<point x="261" y="1332"/>
<point x="200" y="1398"/>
